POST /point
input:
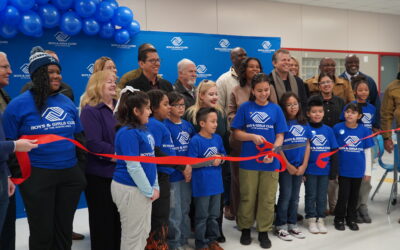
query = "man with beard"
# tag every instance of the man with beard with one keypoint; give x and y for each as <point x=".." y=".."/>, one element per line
<point x="186" y="80"/>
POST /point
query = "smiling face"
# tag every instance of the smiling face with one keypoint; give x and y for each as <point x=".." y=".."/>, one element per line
<point x="282" y="63"/>
<point x="352" y="64"/>
<point x="143" y="113"/>
<point x="109" y="87"/>
<point x="326" y="85"/>
<point x="316" y="114"/>
<point x="261" y="92"/>
<point x="252" y="69"/>
<point x="293" y="67"/>
<point x="151" y="65"/>
<point x="210" y="98"/>
<point x="110" y="65"/>
<point x="362" y="92"/>
<point x="292" y="107"/>
<point x="54" y="77"/>
<point x="210" y="124"/>
<point x="5" y="71"/>
<point x="328" y="66"/>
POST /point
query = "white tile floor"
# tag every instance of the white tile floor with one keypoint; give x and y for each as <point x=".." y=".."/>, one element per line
<point x="382" y="234"/>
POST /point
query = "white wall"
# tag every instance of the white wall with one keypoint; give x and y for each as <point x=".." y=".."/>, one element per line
<point x="299" y="26"/>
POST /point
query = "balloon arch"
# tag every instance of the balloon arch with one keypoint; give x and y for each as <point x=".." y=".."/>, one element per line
<point x="104" y="18"/>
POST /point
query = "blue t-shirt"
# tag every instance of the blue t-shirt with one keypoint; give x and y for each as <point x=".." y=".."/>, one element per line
<point x="59" y="116"/>
<point x="181" y="134"/>
<point x="352" y="157"/>
<point x="323" y="140"/>
<point x="134" y="142"/>
<point x="206" y="181"/>
<point x="162" y="139"/>
<point x="265" y="120"/>
<point x="297" y="134"/>
<point x="369" y="115"/>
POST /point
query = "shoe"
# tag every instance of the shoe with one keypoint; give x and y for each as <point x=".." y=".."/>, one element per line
<point x="359" y="218"/>
<point x="283" y="235"/>
<point x="321" y="226"/>
<point x="339" y="225"/>
<point x="300" y="217"/>
<point x="352" y="225"/>
<point x="228" y="214"/>
<point x="221" y="239"/>
<point x="295" y="232"/>
<point x="312" y="225"/>
<point x="363" y="211"/>
<point x="264" y="240"/>
<point x="76" y="236"/>
<point x="215" y="246"/>
<point x="245" y="238"/>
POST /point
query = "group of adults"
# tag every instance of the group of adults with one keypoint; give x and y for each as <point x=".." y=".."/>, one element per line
<point x="52" y="191"/>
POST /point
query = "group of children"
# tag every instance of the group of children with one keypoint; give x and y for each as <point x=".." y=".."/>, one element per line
<point x="138" y="187"/>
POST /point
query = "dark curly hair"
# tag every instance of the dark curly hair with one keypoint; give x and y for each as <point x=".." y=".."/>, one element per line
<point x="41" y="87"/>
<point x="127" y="103"/>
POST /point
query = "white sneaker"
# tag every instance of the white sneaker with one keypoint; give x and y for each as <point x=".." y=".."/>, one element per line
<point x="312" y="225"/>
<point x="321" y="226"/>
<point x="283" y="235"/>
<point x="295" y="232"/>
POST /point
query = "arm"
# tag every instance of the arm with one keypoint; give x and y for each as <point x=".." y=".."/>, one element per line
<point x="278" y="142"/>
<point x="241" y="135"/>
<point x="138" y="175"/>
<point x="387" y="115"/>
<point x="290" y="168"/>
<point x="349" y="92"/>
<point x="368" y="164"/>
<point x="303" y="166"/>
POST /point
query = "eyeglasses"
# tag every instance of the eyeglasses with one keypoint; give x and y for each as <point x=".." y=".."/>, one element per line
<point x="325" y="82"/>
<point x="178" y="105"/>
<point x="292" y="105"/>
<point x="6" y="67"/>
<point x="153" y="61"/>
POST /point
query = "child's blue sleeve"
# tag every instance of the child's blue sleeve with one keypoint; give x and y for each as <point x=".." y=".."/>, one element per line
<point x="369" y="142"/>
<point x="333" y="139"/>
<point x="281" y="124"/>
<point x="239" y="120"/>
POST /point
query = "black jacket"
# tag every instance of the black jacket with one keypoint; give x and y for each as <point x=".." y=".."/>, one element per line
<point x="189" y="99"/>
<point x="143" y="84"/>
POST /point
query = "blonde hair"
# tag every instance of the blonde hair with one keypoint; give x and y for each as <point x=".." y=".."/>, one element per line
<point x="203" y="87"/>
<point x="99" y="63"/>
<point x="94" y="89"/>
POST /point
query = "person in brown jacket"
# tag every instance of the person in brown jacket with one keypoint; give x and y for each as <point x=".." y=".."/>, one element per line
<point x="342" y="87"/>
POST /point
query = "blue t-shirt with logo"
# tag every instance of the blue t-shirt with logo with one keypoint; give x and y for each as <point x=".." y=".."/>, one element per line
<point x="206" y="181"/>
<point x="59" y="116"/>
<point x="297" y="134"/>
<point x="162" y="138"/>
<point x="181" y="134"/>
<point x="352" y="157"/>
<point x="134" y="142"/>
<point x="267" y="120"/>
<point x="369" y="115"/>
<point x="322" y="140"/>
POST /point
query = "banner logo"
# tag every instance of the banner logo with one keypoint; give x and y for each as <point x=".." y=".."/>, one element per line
<point x="183" y="138"/>
<point x="352" y="141"/>
<point x="62" y="37"/>
<point x="25" y="68"/>
<point x="54" y="114"/>
<point x="90" y="69"/>
<point x="319" y="140"/>
<point x="202" y="71"/>
<point x="297" y="130"/>
<point x="211" y="152"/>
<point x="177" y="43"/>
<point x="62" y="40"/>
<point x="125" y="45"/>
<point x="260" y="117"/>
<point x="24" y="74"/>
<point x="223" y="46"/>
<point x="266" y="47"/>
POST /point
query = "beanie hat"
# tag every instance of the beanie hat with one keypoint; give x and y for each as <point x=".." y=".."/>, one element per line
<point x="39" y="58"/>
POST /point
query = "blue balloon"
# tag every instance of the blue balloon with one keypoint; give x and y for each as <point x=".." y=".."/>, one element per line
<point x="42" y="1"/>
<point x="121" y="36"/>
<point x="23" y="4"/>
<point x="10" y="16"/>
<point x="3" y="4"/>
<point x="107" y="31"/>
<point x="30" y="24"/>
<point x="63" y="4"/>
<point x="70" y="23"/>
<point x="8" y="31"/>
<point x="85" y="8"/>
<point x="104" y="12"/>
<point x="90" y="27"/>
<point x="50" y="15"/>
<point x="122" y="16"/>
<point x="133" y="28"/>
<point x="113" y="3"/>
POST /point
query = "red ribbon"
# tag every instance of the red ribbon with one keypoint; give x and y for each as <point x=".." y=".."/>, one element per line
<point x="24" y="161"/>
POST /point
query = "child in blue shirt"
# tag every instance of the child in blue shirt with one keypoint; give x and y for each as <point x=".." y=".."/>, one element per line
<point x="256" y="121"/>
<point x="317" y="179"/>
<point x="134" y="186"/>
<point x="353" y="160"/>
<point x="181" y="191"/>
<point x="296" y="162"/>
<point x="207" y="185"/>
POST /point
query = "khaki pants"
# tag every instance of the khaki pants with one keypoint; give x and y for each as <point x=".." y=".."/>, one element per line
<point x="135" y="212"/>
<point x="257" y="188"/>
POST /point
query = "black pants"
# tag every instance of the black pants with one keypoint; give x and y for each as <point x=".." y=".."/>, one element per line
<point x="50" y="198"/>
<point x="7" y="239"/>
<point x="104" y="221"/>
<point x="346" y="205"/>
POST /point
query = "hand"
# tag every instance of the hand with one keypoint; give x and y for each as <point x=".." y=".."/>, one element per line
<point x="367" y="178"/>
<point x="217" y="162"/>
<point x="301" y="170"/>
<point x="268" y="159"/>
<point x="291" y="169"/>
<point x="187" y="173"/>
<point x="389" y="145"/>
<point x="11" y="187"/>
<point x="258" y="139"/>
<point x="156" y="195"/>
<point x="25" y="145"/>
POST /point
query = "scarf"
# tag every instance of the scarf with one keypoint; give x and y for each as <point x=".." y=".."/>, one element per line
<point x="280" y="85"/>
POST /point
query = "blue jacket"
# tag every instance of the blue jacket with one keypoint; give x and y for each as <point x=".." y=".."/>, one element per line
<point x="6" y="147"/>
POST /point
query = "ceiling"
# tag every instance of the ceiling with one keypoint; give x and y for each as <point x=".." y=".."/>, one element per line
<point x="377" y="6"/>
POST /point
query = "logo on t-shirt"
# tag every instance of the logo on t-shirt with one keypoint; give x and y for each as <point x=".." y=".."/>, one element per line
<point x="352" y="141"/>
<point x="54" y="114"/>
<point x="297" y="130"/>
<point x="211" y="151"/>
<point x="366" y="119"/>
<point x="183" y="137"/>
<point x="260" y="117"/>
<point x="150" y="138"/>
<point x="319" y="140"/>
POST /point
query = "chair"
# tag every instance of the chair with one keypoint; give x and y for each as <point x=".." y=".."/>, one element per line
<point x="388" y="168"/>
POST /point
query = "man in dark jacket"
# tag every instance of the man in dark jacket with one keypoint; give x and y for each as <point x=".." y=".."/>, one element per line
<point x="186" y="80"/>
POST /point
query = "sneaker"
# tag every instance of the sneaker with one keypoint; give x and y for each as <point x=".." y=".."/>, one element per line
<point x="245" y="239"/>
<point x="297" y="233"/>
<point x="264" y="240"/>
<point x="339" y="225"/>
<point x="363" y="211"/>
<point x="221" y="239"/>
<point x="312" y="226"/>
<point x="215" y="246"/>
<point x="321" y="226"/>
<point x="352" y="225"/>
<point x="359" y="218"/>
<point x="283" y="235"/>
<point x="300" y="217"/>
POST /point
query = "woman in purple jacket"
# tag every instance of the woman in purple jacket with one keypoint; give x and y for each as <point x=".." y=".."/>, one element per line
<point x="97" y="106"/>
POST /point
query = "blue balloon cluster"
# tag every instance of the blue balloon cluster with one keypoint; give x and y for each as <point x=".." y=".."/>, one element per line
<point x="94" y="17"/>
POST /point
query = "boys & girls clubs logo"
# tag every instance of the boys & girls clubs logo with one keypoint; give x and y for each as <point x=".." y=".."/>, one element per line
<point x="202" y="71"/>
<point x="266" y="47"/>
<point x="176" y="44"/>
<point x="61" y="40"/>
<point x="223" y="46"/>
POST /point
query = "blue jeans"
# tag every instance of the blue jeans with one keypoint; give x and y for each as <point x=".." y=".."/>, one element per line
<point x="316" y="192"/>
<point x="206" y="214"/>
<point x="3" y="197"/>
<point x="179" y="222"/>
<point x="288" y="202"/>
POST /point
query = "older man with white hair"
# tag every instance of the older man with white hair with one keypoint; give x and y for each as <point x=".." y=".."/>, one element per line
<point x="185" y="84"/>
